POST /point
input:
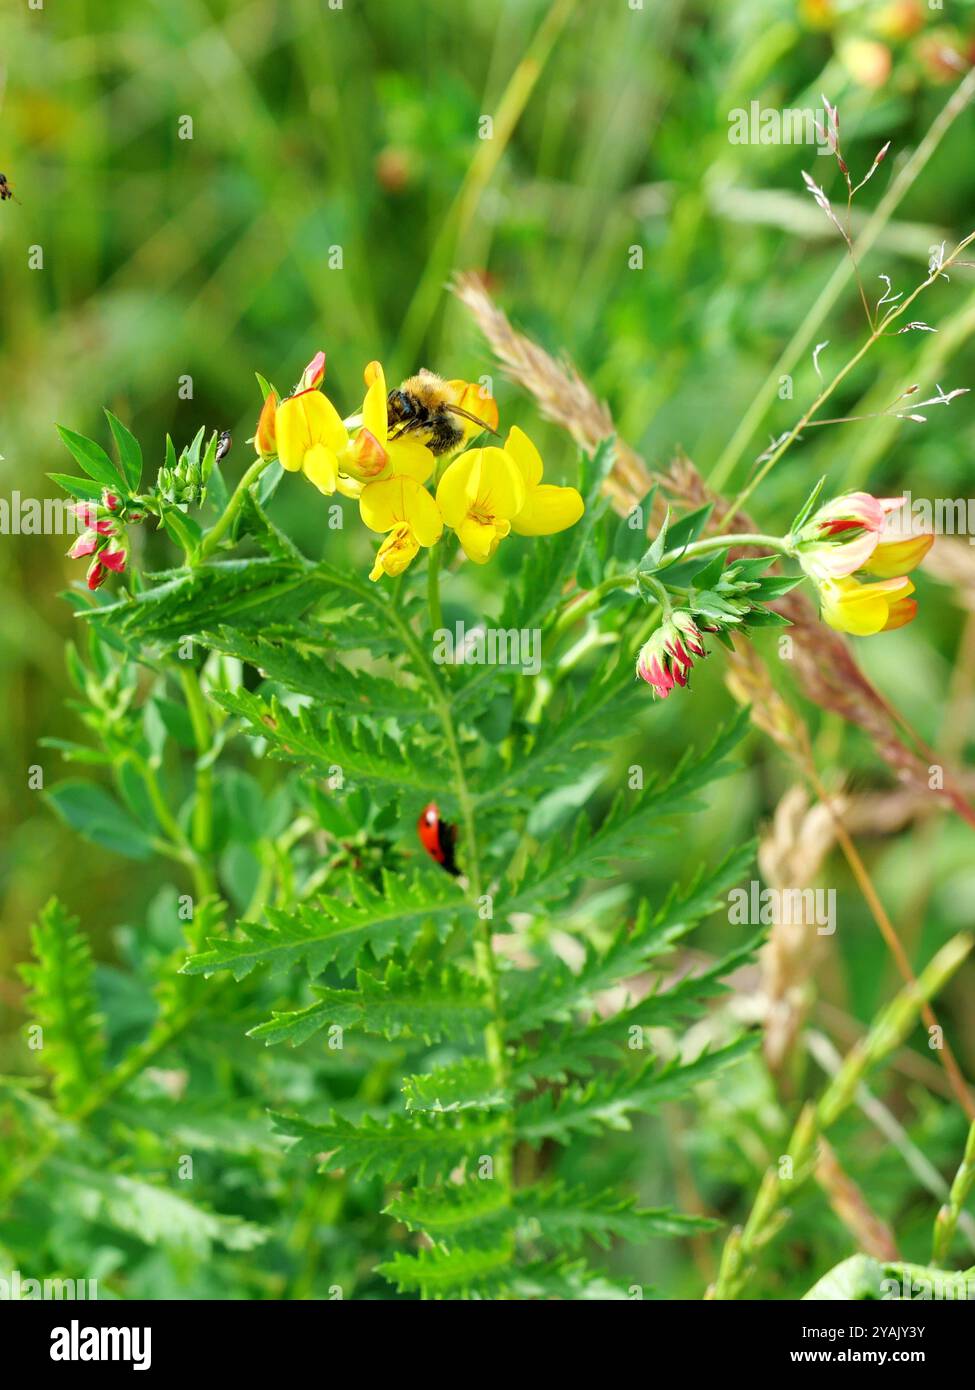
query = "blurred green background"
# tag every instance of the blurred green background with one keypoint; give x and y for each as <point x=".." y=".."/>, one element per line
<point x="358" y="127"/>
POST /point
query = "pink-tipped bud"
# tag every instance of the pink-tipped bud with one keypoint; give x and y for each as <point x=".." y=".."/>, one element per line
<point x="97" y="574"/>
<point x="666" y="659"/>
<point x="84" y="545"/>
<point x="86" y="512"/>
<point x="113" y="559"/>
<point x="313" y="375"/>
<point x="110" y="500"/>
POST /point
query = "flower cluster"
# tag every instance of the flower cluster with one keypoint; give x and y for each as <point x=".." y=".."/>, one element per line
<point x="483" y="494"/>
<point x="103" y="538"/>
<point x="855" y="535"/>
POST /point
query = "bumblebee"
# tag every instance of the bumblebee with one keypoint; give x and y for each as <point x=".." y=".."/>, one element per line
<point x="5" y="190"/>
<point x="427" y="406"/>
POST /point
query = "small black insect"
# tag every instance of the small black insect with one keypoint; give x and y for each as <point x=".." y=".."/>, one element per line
<point x="5" y="190"/>
<point x="223" y="446"/>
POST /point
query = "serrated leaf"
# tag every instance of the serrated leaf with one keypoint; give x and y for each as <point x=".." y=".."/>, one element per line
<point x="464" y="1085"/>
<point x="62" y="1000"/>
<point x="321" y="740"/>
<point x="606" y="1103"/>
<point x="569" y="1216"/>
<point x="441" y="1273"/>
<point x="428" y="1002"/>
<point x="316" y="935"/>
<point x="633" y="818"/>
<point x="248" y="593"/>
<point x="425" y="1146"/>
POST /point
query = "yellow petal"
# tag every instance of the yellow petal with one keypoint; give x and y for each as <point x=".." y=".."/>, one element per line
<point x="322" y="468"/>
<point x="525" y="455"/>
<point x="499" y="485"/>
<point x="349" y="487"/>
<point x="303" y="421"/>
<point x="452" y="490"/>
<point x="393" y="501"/>
<point x="375" y="417"/>
<point x="411" y="458"/>
<point x="423" y="513"/>
<point x="395" y="553"/>
<point x="901" y="613"/>
<point x="547" y="510"/>
<point x="861" y="609"/>
<point x="891" y="559"/>
<point x="476" y="400"/>
<point x="478" y="538"/>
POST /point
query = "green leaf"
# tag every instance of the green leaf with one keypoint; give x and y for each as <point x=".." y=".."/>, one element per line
<point x="650" y="561"/>
<point x="468" y="1084"/>
<point x="689" y="527"/>
<point x="129" y="452"/>
<point x="428" y="1002"/>
<point x="606" y="1104"/>
<point x="96" y="815"/>
<point x="62" y="1000"/>
<point x="82" y="488"/>
<point x="453" y="1209"/>
<point x="554" y="993"/>
<point x="326" y="743"/>
<point x="804" y="512"/>
<point x="151" y="1213"/>
<point x="376" y="919"/>
<point x="248" y="593"/>
<point x="569" y="1216"/>
<point x="573" y="1051"/>
<point x="633" y="818"/>
<point x="440" y="1273"/>
<point x="290" y="661"/>
<point x="91" y="456"/>
<point x="425" y="1146"/>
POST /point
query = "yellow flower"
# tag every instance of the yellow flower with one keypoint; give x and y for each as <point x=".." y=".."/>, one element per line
<point x="404" y="508"/>
<point x="310" y="436"/>
<point x="547" y="508"/>
<point x="863" y="609"/>
<point x="479" y="495"/>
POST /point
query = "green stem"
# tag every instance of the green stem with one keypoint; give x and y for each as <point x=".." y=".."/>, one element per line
<point x="433" y="588"/>
<point x="708" y="544"/>
<point x="578" y="608"/>
<point x="484" y="961"/>
<point x="948" y="1217"/>
<point x="202" y="736"/>
<point x="223" y="523"/>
